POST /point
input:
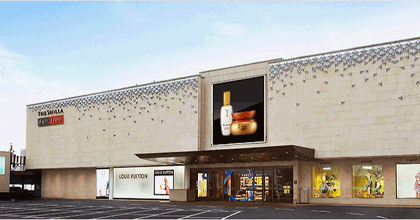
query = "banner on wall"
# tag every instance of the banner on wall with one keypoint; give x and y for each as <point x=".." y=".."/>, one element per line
<point x="408" y="181"/>
<point x="147" y="182"/>
<point x="238" y="111"/>
<point x="102" y="183"/>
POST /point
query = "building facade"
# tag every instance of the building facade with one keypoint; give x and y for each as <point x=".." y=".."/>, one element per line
<point x="342" y="127"/>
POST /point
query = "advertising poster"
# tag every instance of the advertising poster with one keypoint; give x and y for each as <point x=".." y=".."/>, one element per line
<point x="238" y="111"/>
<point x="2" y="165"/>
<point x="202" y="185"/>
<point x="102" y="183"/>
<point x="408" y="181"/>
<point x="164" y="181"/>
<point x="368" y="181"/>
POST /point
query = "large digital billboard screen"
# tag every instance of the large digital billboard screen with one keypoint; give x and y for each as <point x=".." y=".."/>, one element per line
<point x="238" y="111"/>
<point x="408" y="181"/>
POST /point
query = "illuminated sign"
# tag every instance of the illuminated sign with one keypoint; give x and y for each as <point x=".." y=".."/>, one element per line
<point x="53" y="120"/>
<point x="147" y="182"/>
<point x="164" y="181"/>
<point x="50" y="112"/>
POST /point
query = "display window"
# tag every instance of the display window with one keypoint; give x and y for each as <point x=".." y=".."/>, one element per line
<point x="368" y="181"/>
<point x="102" y="182"/>
<point x="202" y="185"/>
<point x="239" y="185"/>
<point x="326" y="182"/>
<point x="2" y="165"/>
<point x="408" y="181"/>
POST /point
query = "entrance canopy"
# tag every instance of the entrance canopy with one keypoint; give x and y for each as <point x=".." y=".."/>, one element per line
<point x="257" y="154"/>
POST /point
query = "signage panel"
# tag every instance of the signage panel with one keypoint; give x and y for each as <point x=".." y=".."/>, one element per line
<point x="164" y="181"/>
<point x="53" y="120"/>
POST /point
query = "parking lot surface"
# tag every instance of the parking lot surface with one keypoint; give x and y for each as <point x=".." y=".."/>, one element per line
<point x="120" y="209"/>
<point x="27" y="210"/>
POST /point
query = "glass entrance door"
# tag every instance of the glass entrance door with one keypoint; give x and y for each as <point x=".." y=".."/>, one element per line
<point x="263" y="182"/>
<point x="258" y="185"/>
<point x="217" y="185"/>
<point x="268" y="187"/>
<point x="283" y="185"/>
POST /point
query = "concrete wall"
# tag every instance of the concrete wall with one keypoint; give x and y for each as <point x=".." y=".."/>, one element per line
<point x="5" y="178"/>
<point x="69" y="183"/>
<point x="371" y="121"/>
<point x="92" y="137"/>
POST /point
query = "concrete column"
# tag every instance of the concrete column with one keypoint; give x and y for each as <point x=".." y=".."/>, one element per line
<point x="296" y="177"/>
<point x="186" y="177"/>
<point x="111" y="183"/>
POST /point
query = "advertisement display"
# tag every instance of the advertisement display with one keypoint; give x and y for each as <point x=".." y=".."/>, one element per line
<point x="408" y="181"/>
<point x="2" y="165"/>
<point x="238" y="111"/>
<point x="164" y="181"/>
<point x="368" y="181"/>
<point x="326" y="182"/>
<point x="147" y="182"/>
<point x="102" y="182"/>
<point x="202" y="185"/>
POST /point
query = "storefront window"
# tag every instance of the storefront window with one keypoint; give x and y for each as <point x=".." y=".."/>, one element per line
<point x="202" y="185"/>
<point x="326" y="182"/>
<point x="238" y="185"/>
<point x="102" y="182"/>
<point x="2" y="165"/>
<point x="408" y="181"/>
<point x="368" y="181"/>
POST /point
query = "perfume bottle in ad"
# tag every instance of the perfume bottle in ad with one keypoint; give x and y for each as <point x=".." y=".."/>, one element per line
<point x="226" y="114"/>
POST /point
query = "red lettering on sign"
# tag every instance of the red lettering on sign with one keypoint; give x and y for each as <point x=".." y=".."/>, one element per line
<point x="55" y="120"/>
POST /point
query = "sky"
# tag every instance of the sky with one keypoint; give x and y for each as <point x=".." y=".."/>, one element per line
<point x="55" y="50"/>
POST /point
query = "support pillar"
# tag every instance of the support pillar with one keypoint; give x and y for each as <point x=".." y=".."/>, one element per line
<point x="111" y="183"/>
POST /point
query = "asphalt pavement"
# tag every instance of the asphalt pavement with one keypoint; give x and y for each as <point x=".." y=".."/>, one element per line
<point x="137" y="209"/>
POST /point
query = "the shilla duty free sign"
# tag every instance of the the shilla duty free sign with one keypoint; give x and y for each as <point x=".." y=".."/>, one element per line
<point x="53" y="120"/>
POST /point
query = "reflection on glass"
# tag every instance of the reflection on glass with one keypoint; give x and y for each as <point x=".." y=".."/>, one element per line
<point x="368" y="181"/>
<point x="326" y="182"/>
